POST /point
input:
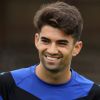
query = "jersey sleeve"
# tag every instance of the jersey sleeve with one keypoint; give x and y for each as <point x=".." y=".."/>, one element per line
<point x="6" y="84"/>
<point x="95" y="92"/>
<point x="1" y="86"/>
<point x="1" y="98"/>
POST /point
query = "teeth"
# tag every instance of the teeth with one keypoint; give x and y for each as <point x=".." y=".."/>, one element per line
<point x="51" y="58"/>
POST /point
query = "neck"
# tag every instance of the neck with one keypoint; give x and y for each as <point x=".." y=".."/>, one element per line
<point x="53" y="78"/>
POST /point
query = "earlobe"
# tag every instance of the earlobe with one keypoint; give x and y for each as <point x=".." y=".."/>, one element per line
<point x="77" y="48"/>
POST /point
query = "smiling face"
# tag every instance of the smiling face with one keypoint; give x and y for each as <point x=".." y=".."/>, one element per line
<point x="55" y="48"/>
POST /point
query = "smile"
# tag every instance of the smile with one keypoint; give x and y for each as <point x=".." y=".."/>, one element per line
<point x="52" y="58"/>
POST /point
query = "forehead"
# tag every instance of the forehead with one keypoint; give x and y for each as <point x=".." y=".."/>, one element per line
<point x="54" y="33"/>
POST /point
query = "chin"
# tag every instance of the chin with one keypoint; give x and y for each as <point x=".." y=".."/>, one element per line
<point x="52" y="69"/>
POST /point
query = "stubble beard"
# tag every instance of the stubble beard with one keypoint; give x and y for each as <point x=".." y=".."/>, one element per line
<point x="62" y="65"/>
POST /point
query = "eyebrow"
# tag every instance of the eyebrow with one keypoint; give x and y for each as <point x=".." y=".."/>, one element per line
<point x="63" y="41"/>
<point x="45" y="38"/>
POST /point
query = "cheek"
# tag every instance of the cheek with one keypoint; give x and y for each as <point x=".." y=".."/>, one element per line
<point x="65" y="51"/>
<point x="67" y="58"/>
<point x="67" y="54"/>
<point x="41" y="47"/>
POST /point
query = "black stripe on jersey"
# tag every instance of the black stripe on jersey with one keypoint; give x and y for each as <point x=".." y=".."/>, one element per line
<point x="10" y="91"/>
<point x="94" y="94"/>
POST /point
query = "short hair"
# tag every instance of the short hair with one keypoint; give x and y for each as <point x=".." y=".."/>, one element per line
<point x="62" y="16"/>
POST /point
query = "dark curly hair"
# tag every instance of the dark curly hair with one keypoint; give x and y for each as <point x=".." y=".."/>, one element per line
<point x="60" y="15"/>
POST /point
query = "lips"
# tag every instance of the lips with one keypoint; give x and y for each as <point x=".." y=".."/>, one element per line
<point x="51" y="58"/>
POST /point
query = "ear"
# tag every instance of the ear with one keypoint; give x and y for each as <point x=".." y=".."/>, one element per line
<point x="36" y="39"/>
<point x="77" y="48"/>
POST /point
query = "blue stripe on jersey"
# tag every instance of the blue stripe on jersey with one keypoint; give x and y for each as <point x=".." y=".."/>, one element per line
<point x="77" y="87"/>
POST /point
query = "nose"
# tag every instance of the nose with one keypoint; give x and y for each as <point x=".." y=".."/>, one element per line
<point x="52" y="49"/>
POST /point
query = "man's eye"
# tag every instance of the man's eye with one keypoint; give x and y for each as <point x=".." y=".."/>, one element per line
<point x="62" y="43"/>
<point x="45" y="41"/>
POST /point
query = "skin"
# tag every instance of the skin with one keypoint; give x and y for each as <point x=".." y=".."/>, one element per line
<point x="56" y="50"/>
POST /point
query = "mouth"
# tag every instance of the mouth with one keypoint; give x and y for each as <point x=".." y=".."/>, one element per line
<point x="52" y="58"/>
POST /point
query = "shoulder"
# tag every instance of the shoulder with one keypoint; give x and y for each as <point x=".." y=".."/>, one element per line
<point x="16" y="75"/>
<point x="21" y="74"/>
<point x="95" y="92"/>
<point x="91" y="90"/>
<point x="82" y="82"/>
<point x="6" y="82"/>
<point x="4" y="76"/>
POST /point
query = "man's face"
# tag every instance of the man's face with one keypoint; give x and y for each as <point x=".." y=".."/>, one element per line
<point x="55" y="48"/>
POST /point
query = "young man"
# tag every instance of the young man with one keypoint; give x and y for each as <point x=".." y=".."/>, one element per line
<point x="59" y="27"/>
